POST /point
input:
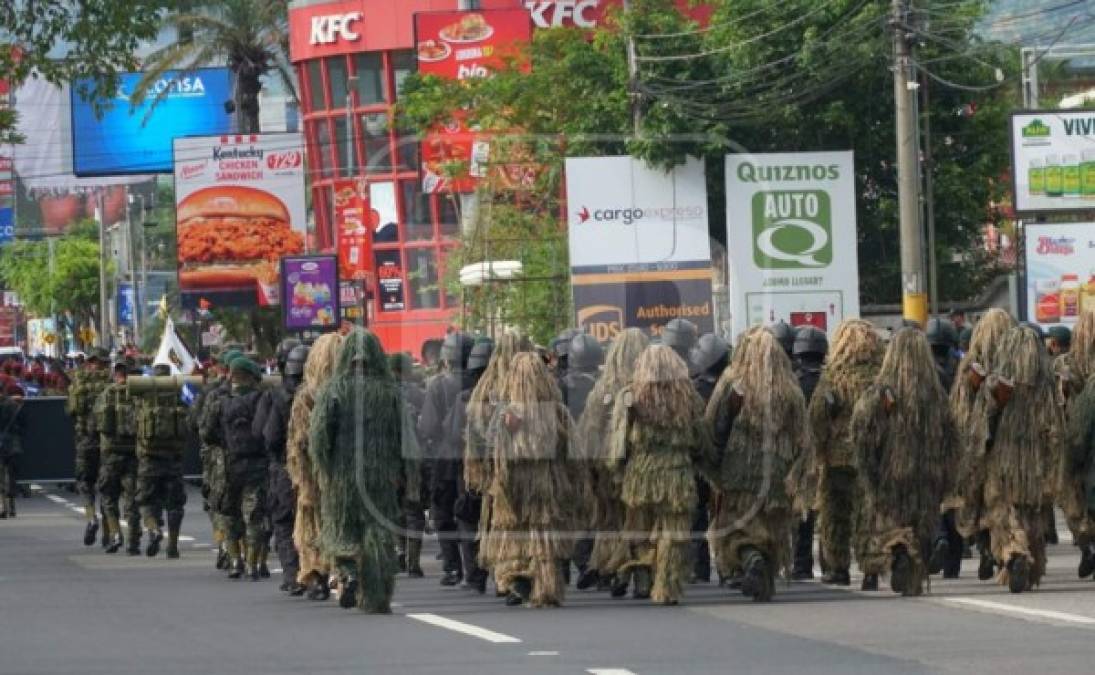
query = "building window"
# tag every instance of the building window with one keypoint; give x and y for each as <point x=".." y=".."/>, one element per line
<point x="417" y="222"/>
<point x="323" y="148"/>
<point x="382" y="200"/>
<point x="378" y="151"/>
<point x="339" y="79"/>
<point x="315" y="84"/>
<point x="422" y="278"/>
<point x="407" y="149"/>
<point x="448" y="215"/>
<point x="402" y="66"/>
<point x="341" y="139"/>
<point x="370" y="78"/>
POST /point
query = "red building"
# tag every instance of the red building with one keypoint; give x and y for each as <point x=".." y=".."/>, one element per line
<point x="355" y="54"/>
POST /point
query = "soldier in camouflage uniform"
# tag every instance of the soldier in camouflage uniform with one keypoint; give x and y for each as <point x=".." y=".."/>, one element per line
<point x="82" y="394"/>
<point x="11" y="445"/>
<point x="212" y="455"/>
<point x="115" y="411"/>
<point x="161" y="437"/>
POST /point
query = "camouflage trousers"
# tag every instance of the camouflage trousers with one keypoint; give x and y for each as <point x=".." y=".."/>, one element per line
<point x="118" y="487"/>
<point x="244" y="506"/>
<point x="841" y="517"/>
<point x="1073" y="501"/>
<point x="87" y="468"/>
<point x="213" y="483"/>
<point x="740" y="522"/>
<point x="160" y="488"/>
<point x="885" y="531"/>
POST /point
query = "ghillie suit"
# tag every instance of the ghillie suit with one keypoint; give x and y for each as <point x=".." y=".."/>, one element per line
<point x="657" y="436"/>
<point x="906" y="452"/>
<point x="610" y="550"/>
<point x="532" y="494"/>
<point x="478" y="461"/>
<point x="360" y="435"/>
<point x="1075" y="371"/>
<point x="757" y="416"/>
<point x="314" y="567"/>
<point x="1019" y="439"/>
<point x="969" y="412"/>
<point x="851" y="368"/>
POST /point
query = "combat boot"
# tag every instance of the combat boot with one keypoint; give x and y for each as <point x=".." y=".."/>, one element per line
<point x="317" y="587"/>
<point x="264" y="568"/>
<point x="116" y="543"/>
<point x="758" y="582"/>
<point x="222" y="557"/>
<point x="114" y="533"/>
<point x="900" y="569"/>
<point x="414" y="558"/>
<point x="1087" y="560"/>
<point x="347" y="591"/>
<point x="619" y="585"/>
<point x="11" y="507"/>
<point x="155" y="537"/>
<point x="839" y="577"/>
<point x="870" y="582"/>
<point x="91" y="530"/>
<point x="987" y="567"/>
<point x="520" y="592"/>
<point x="253" y="567"/>
<point x="643" y="582"/>
<point x="235" y="559"/>
<point x="174" y="524"/>
<point x="588" y="579"/>
<point x="1018" y="574"/>
<point x="938" y="559"/>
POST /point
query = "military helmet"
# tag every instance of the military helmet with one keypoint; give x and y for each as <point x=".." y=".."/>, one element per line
<point x="810" y="340"/>
<point x="1035" y="328"/>
<point x="784" y="335"/>
<point x="455" y="349"/>
<point x="680" y="336"/>
<point x="1061" y="334"/>
<point x="294" y="360"/>
<point x="586" y="353"/>
<point x="480" y="355"/>
<point x="284" y="347"/>
<point x="710" y="350"/>
<point x="560" y="346"/>
<point x="941" y="333"/>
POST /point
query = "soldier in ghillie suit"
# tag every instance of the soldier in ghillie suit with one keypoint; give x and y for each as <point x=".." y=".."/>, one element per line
<point x="86" y="386"/>
<point x="1020" y="439"/>
<point x="360" y="435"/>
<point x="532" y="493"/>
<point x="969" y="413"/>
<point x="116" y="412"/>
<point x="162" y="426"/>
<point x="757" y="417"/>
<point x="906" y="453"/>
<point x="480" y="410"/>
<point x="1075" y="370"/>
<point x="314" y="567"/>
<point x="852" y="366"/>
<point x="658" y="436"/>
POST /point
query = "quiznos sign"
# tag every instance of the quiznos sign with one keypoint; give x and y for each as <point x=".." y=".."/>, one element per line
<point x="791" y="235"/>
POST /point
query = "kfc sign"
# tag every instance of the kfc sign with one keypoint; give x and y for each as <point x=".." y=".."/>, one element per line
<point x="556" y="13"/>
<point x="332" y="28"/>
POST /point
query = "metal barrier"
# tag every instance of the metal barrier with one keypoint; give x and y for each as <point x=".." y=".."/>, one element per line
<point x="49" y="450"/>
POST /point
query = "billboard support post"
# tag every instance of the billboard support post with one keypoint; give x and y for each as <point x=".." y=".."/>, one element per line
<point x="104" y="326"/>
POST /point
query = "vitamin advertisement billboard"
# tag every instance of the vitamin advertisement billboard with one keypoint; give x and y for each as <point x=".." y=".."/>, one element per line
<point x="1060" y="273"/>
<point x="1053" y="159"/>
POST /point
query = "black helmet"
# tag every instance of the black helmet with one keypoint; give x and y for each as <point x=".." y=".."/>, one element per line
<point x="455" y="350"/>
<point x="810" y="340"/>
<point x="585" y="352"/>
<point x="294" y="360"/>
<point x="480" y="355"/>
<point x="680" y="336"/>
<point x="941" y="333"/>
<point x="784" y="334"/>
<point x="560" y="346"/>
<point x="710" y="350"/>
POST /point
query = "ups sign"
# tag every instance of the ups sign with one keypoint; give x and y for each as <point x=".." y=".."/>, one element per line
<point x="604" y="322"/>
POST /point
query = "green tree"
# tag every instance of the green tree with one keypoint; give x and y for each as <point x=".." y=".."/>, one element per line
<point x="70" y="285"/>
<point x="93" y="38"/>
<point x="251" y="37"/>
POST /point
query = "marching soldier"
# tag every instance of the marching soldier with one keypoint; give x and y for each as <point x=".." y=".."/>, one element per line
<point x="680" y="335"/>
<point x="161" y="438"/>
<point x="85" y="389"/>
<point x="808" y="356"/>
<point x="117" y="423"/>
<point x="413" y="497"/>
<point x="709" y="359"/>
<point x="212" y="455"/>
<point x="11" y="444"/>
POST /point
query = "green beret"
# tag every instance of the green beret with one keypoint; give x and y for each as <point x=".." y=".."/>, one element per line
<point x="1061" y="334"/>
<point x="245" y="365"/>
<point x="226" y="358"/>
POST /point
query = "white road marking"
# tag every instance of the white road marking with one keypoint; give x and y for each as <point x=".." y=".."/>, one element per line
<point x="549" y="653"/>
<point x="1021" y="612"/>
<point x="35" y="487"/>
<point x="609" y="671"/>
<point x="464" y="628"/>
<point x="56" y="500"/>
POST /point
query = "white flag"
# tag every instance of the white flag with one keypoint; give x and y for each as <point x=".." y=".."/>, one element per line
<point x="173" y="352"/>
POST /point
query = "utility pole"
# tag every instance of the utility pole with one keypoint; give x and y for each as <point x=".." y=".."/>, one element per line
<point x="929" y="199"/>
<point x="633" y="79"/>
<point x="914" y="299"/>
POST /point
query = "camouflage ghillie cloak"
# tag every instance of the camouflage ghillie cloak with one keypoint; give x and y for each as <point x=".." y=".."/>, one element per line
<point x="1078" y="463"/>
<point x="532" y="486"/>
<point x="594" y="429"/>
<point x="852" y="366"/>
<point x="906" y="449"/>
<point x="356" y="444"/>
<point x="658" y="435"/>
<point x="481" y="408"/>
<point x="322" y="359"/>
<point x="1077" y="366"/>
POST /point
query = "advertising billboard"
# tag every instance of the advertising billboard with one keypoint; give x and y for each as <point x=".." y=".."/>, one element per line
<point x="1053" y="160"/>
<point x="240" y="207"/>
<point x="640" y="252"/>
<point x="126" y="304"/>
<point x="461" y="45"/>
<point x="791" y="239"/>
<point x="355" y="221"/>
<point x="1060" y="272"/>
<point x="127" y="139"/>
<point x="311" y="292"/>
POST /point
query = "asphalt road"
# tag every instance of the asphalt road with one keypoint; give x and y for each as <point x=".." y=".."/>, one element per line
<point x="65" y="608"/>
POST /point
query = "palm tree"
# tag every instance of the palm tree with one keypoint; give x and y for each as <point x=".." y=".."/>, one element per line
<point x="250" y="37"/>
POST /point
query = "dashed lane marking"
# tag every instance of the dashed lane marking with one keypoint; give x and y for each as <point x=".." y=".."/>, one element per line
<point x="464" y="628"/>
<point x="1028" y="613"/>
<point x="56" y="500"/>
<point x="609" y="671"/>
<point x="544" y="653"/>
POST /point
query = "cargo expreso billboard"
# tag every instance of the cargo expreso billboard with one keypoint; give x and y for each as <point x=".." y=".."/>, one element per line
<point x="791" y="235"/>
<point x="128" y="139"/>
<point x="640" y="252"/>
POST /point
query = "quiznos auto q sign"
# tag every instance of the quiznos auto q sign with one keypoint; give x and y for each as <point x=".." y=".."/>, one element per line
<point x="791" y="235"/>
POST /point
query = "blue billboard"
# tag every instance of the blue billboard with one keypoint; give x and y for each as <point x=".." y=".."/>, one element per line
<point x="7" y="225"/>
<point x="126" y="304"/>
<point x="131" y="140"/>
